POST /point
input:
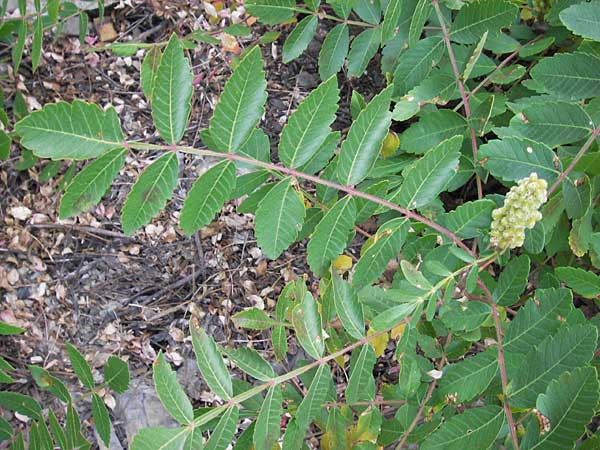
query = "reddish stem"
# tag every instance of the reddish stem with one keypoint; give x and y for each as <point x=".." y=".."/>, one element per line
<point x="315" y="179"/>
<point x="578" y="156"/>
<point x="502" y="364"/>
<point x="463" y="94"/>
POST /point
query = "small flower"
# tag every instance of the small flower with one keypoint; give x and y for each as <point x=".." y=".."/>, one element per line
<point x="520" y="211"/>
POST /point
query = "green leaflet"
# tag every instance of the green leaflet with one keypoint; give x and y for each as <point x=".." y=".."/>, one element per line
<point x="160" y="438"/>
<point x="149" y="70"/>
<point x="250" y="361"/>
<point x="512" y="281"/>
<point x="363" y="48"/>
<point x="211" y="364"/>
<point x="17" y="50"/>
<point x="361" y="147"/>
<point x="170" y="392"/>
<point x="431" y="130"/>
<point x="316" y="396"/>
<point x="172" y="92"/>
<point x="223" y="433"/>
<point x="271" y="12"/>
<point x="150" y="193"/>
<point x="267" y="428"/>
<point x="570" y="76"/>
<point x="583" y="282"/>
<point x="279" y="218"/>
<point x="299" y="38"/>
<point x="333" y="51"/>
<point x="116" y="374"/>
<point x="323" y="154"/>
<point x="77" y="130"/>
<point x="307" y="325"/>
<point x="36" y="44"/>
<point x="422" y="12"/>
<point x="428" y="176"/>
<point x="241" y="104"/>
<point x="5" y="142"/>
<point x="470" y="219"/>
<point x="568" y="403"/>
<point x="391" y="17"/>
<point x="390" y="238"/>
<point x="512" y="159"/>
<point x="253" y="318"/>
<point x="553" y="123"/>
<point x="475" y="18"/>
<point x="347" y="306"/>
<point x="47" y="382"/>
<point x="80" y="367"/>
<point x="361" y="385"/>
<point x="583" y="19"/>
<point x="22" y="404"/>
<point x="475" y="428"/>
<point x="308" y="127"/>
<point x="207" y="196"/>
<point x="101" y="418"/>
<point x="416" y="63"/>
<point x="394" y="315"/>
<point x="537" y="319"/>
<point x="89" y="185"/>
<point x="331" y="235"/>
<point x="569" y="347"/>
<point x="469" y="378"/>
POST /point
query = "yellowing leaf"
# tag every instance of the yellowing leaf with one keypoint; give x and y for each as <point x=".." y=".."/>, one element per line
<point x="342" y="263"/>
<point x="397" y="331"/>
<point x="379" y="343"/>
<point x="390" y="145"/>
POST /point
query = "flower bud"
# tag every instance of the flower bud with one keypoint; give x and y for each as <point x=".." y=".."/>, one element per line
<point x="520" y="211"/>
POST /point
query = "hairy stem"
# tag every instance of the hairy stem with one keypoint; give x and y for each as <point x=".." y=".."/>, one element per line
<point x="463" y="94"/>
<point x="315" y="179"/>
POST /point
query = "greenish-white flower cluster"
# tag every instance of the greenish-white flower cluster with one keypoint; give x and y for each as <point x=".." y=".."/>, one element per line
<point x="520" y="211"/>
